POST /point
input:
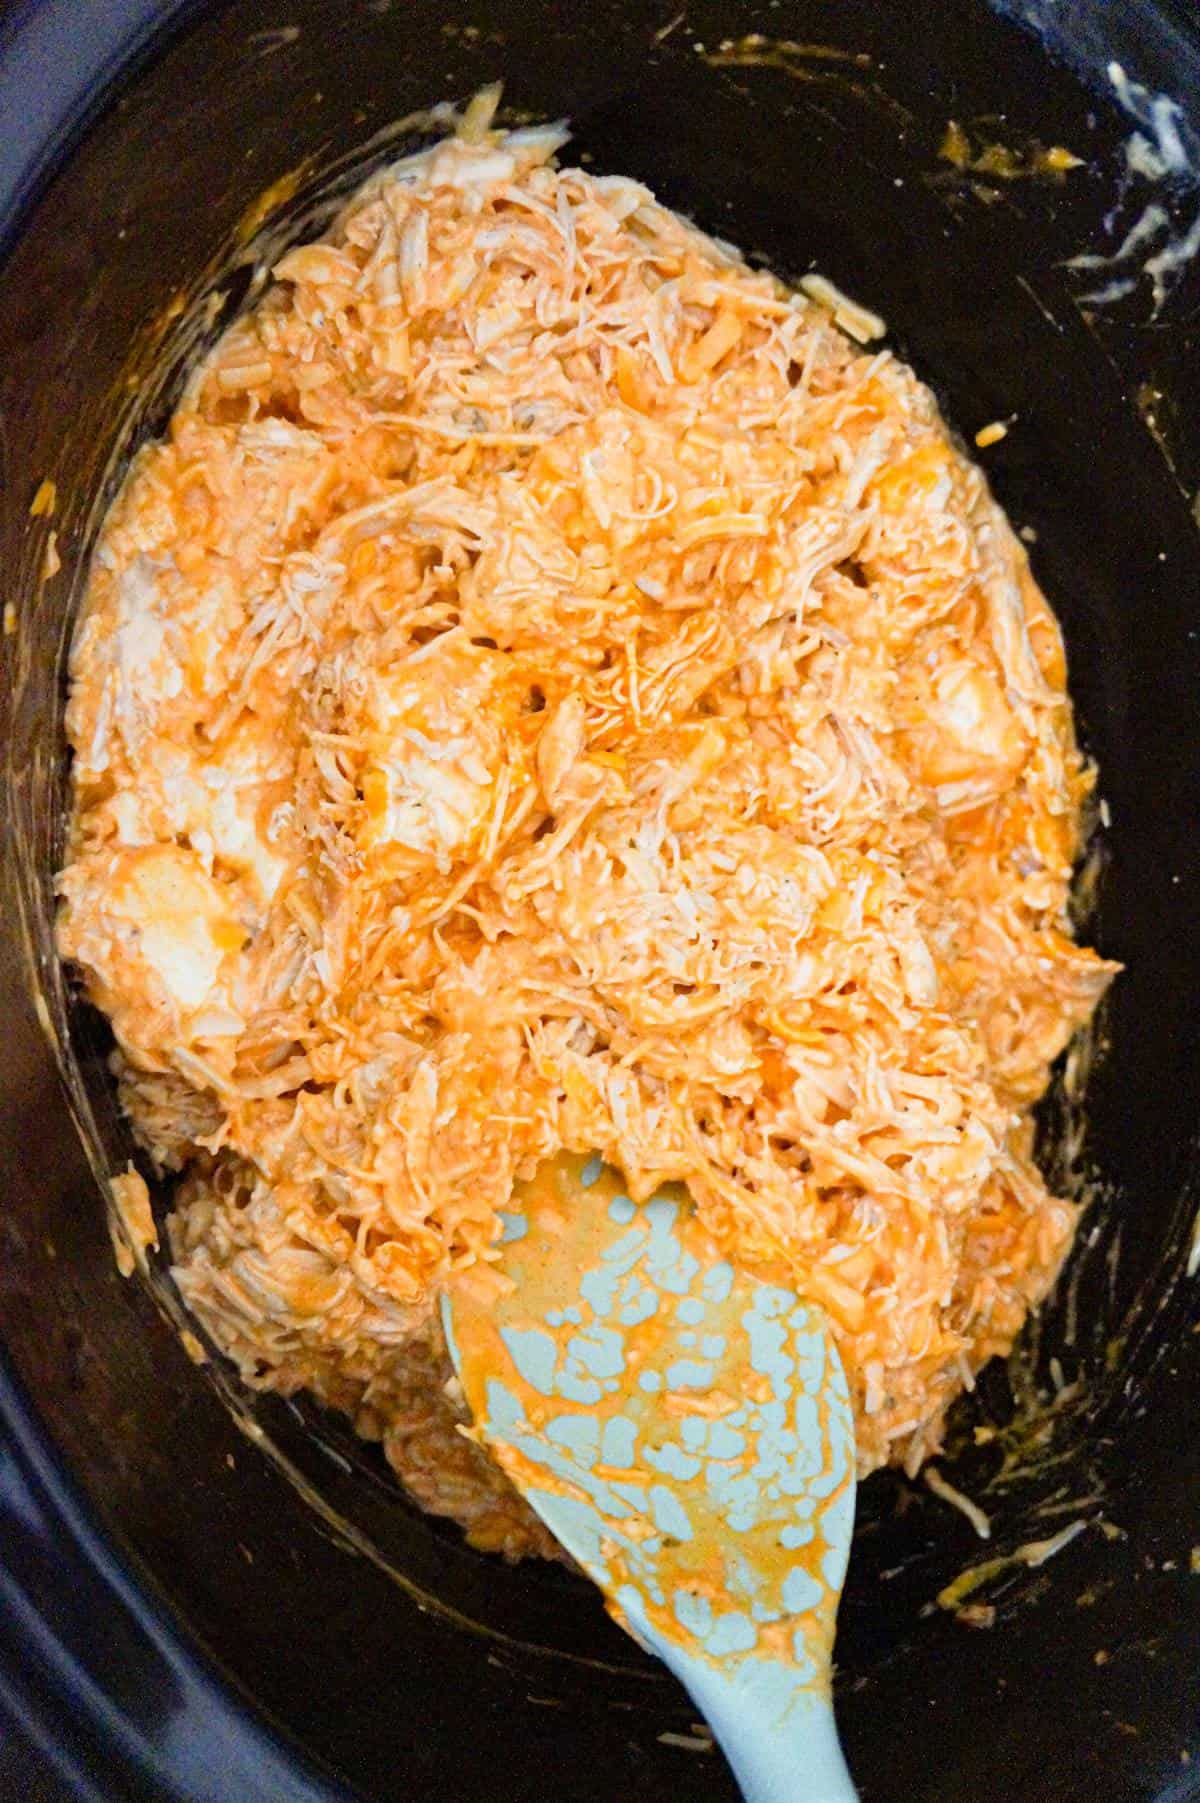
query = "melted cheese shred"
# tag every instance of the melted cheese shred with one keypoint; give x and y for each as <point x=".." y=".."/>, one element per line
<point x="551" y="689"/>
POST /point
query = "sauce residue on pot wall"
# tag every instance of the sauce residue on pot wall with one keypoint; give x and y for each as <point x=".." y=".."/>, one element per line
<point x="977" y="150"/>
<point x="822" y="65"/>
<point x="1156" y="211"/>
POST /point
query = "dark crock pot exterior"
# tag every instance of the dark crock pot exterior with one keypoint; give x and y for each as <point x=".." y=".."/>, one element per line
<point x="209" y="1595"/>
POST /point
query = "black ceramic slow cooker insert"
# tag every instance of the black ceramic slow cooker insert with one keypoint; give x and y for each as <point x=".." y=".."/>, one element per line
<point x="204" y="1594"/>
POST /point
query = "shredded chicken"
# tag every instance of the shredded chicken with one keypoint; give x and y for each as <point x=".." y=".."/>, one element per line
<point x="552" y="689"/>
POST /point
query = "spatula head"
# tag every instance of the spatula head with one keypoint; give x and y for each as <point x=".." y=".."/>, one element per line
<point x="684" y="1429"/>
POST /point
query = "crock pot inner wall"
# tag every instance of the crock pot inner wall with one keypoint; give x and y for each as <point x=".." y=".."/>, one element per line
<point x="799" y="158"/>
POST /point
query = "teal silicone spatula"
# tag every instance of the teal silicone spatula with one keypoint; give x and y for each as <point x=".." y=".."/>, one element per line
<point x="685" y="1431"/>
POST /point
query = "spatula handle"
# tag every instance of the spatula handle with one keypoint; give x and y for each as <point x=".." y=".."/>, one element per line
<point x="777" y="1732"/>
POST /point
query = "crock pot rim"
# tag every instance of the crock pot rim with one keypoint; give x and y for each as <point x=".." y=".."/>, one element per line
<point x="61" y="62"/>
<point x="40" y="1501"/>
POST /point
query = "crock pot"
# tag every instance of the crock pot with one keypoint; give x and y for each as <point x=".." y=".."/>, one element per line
<point x="212" y="1595"/>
